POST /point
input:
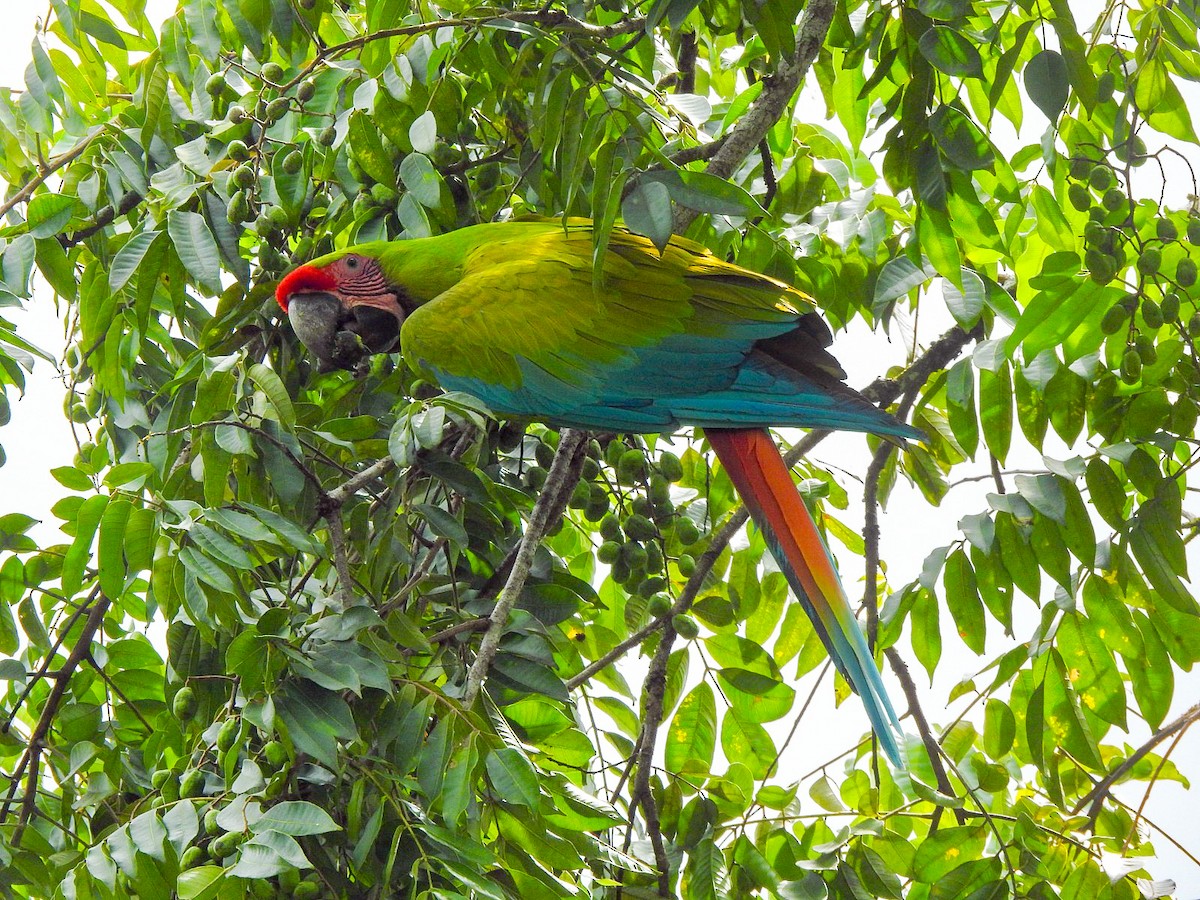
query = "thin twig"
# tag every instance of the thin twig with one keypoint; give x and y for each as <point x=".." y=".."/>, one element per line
<point x="49" y="169"/>
<point x="1096" y="795"/>
<point x="549" y="506"/>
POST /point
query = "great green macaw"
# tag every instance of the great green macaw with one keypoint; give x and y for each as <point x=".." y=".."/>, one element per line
<point x="509" y="313"/>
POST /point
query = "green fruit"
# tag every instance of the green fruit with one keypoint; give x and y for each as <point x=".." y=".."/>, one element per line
<point x="609" y="552"/>
<point x="631" y="467"/>
<point x="613" y="453"/>
<point x="243" y="176"/>
<point x="685" y="626"/>
<point x="191" y="784"/>
<point x="536" y="476"/>
<point x="1194" y="325"/>
<point x="305" y="91"/>
<point x="292" y="163"/>
<point x="1152" y="313"/>
<point x="326" y="136"/>
<point x="183" y="706"/>
<point x="487" y="176"/>
<point x="225" y="845"/>
<point x="544" y="454"/>
<point x="640" y="528"/>
<point x="1080" y="196"/>
<point x="651" y="586"/>
<point x="1113" y="319"/>
<point x="1165" y="229"/>
<point x="1149" y="261"/>
<point x="1170" y="307"/>
<point x="596" y="509"/>
<point x="276" y="109"/>
<point x="1131" y="366"/>
<point x="610" y="527"/>
<point x="210" y="822"/>
<point x="670" y="466"/>
<point x="238" y="151"/>
<point x="1193" y="230"/>
<point x="1183" y="417"/>
<point x="1105" y="85"/>
<point x="278" y="216"/>
<point x="1185" y="272"/>
<point x="1081" y="167"/>
<point x="1113" y="199"/>
<point x="659" y="606"/>
<point x="215" y="84"/>
<point x="382" y="194"/>
<point x="272" y="72"/>
<point x="581" y="496"/>
<point x="236" y="113"/>
<point x="654" y="557"/>
<point x="275" y="753"/>
<point x="160" y="777"/>
<point x="686" y="564"/>
<point x="239" y="208"/>
<point x="227" y="736"/>
<point x="620" y="571"/>
<point x="660" y="489"/>
<point x="590" y="470"/>
<point x="687" y="532"/>
<point x="1146" y="349"/>
<point x="1100" y="177"/>
<point x="1101" y="267"/>
<point x="633" y="555"/>
<point x="192" y="857"/>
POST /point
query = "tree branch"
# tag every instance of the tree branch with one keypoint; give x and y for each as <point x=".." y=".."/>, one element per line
<point x="46" y="171"/>
<point x="1095" y="797"/>
<point x="656" y="687"/>
<point x="550" y="504"/>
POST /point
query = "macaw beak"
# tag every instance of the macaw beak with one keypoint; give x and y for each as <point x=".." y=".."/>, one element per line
<point x="341" y="338"/>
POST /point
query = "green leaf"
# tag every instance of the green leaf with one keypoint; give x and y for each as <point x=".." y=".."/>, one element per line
<point x="87" y="520"/>
<point x="960" y="139"/>
<point x="999" y="728"/>
<point x="948" y="50"/>
<point x="420" y="178"/>
<point x="297" y="818"/>
<point x="49" y="214"/>
<point x="996" y="410"/>
<point x="692" y="736"/>
<point x="965" y="303"/>
<point x="704" y="193"/>
<point x="646" y="210"/>
<point x="201" y="883"/>
<point x="513" y="777"/>
<point x="197" y="248"/>
<point x="110" y="561"/>
<point x="1152" y="675"/>
<point x="926" y="631"/>
<point x="367" y="148"/>
<point x="942" y="852"/>
<point x="962" y="596"/>
<point x="423" y="132"/>
<point x="268" y="382"/>
<point x="1047" y="82"/>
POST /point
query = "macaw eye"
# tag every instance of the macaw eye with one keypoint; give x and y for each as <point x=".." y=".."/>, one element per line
<point x="351" y="262"/>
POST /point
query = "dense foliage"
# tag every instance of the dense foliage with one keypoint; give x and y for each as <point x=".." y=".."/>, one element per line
<point x="323" y="552"/>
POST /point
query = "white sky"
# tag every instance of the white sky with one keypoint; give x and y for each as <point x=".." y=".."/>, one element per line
<point x="38" y="438"/>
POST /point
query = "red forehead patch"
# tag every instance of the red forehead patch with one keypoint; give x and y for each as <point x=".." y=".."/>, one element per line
<point x="305" y="278"/>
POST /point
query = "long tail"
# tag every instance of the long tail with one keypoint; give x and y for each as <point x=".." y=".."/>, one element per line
<point x="761" y="477"/>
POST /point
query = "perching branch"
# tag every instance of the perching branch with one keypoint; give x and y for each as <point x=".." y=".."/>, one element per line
<point x="778" y="90"/>
<point x="656" y="687"/>
<point x="1096" y="795"/>
<point x="900" y="668"/>
<point x="29" y="766"/>
<point x="46" y="171"/>
<point x="549" y="506"/>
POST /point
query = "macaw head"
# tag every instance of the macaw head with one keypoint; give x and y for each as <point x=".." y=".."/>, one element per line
<point x="342" y="308"/>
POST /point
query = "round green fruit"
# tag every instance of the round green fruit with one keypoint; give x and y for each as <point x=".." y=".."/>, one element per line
<point x="1165" y="229"/>
<point x="276" y="109"/>
<point x="1193" y="229"/>
<point x="640" y="528"/>
<point x="609" y="552"/>
<point x="227" y="736"/>
<point x="1080" y="196"/>
<point x="685" y="626"/>
<point x="191" y="784"/>
<point x="1185" y="272"/>
<point x="215" y="84"/>
<point x="1149" y="261"/>
<point x="211" y="826"/>
<point x="1152" y="313"/>
<point x="305" y="91"/>
<point x="687" y="532"/>
<point x="1113" y="199"/>
<point x="1100" y="177"/>
<point x="183" y="706"/>
<point x="192" y="857"/>
<point x="292" y="163"/>
<point x="1113" y="319"/>
<point x="632" y="466"/>
<point x="238" y="151"/>
<point x="326" y="136"/>
<point x="1131" y="366"/>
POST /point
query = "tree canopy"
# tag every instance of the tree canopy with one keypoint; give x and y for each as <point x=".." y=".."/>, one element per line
<point x="405" y="642"/>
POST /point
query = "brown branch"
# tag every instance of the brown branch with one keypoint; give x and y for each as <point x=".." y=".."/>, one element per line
<point x="1096" y="795"/>
<point x="642" y="796"/>
<point x="46" y="171"/>
<point x="104" y="216"/>
<point x="778" y="90"/>
<point x="29" y="764"/>
<point x="900" y="667"/>
<point x="567" y="462"/>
